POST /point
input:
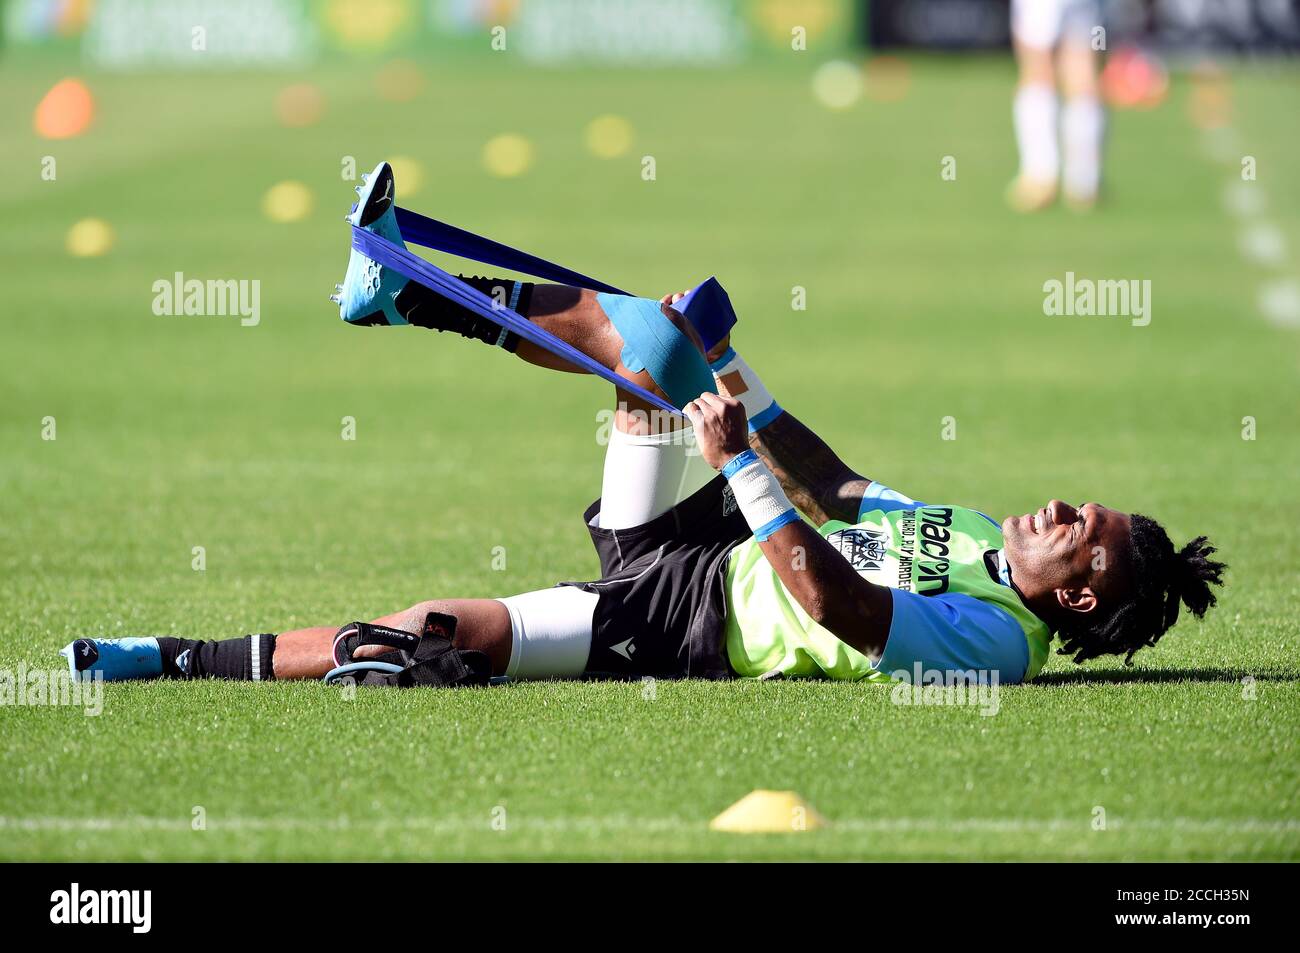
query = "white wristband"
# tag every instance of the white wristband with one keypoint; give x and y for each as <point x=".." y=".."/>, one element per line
<point x="758" y="493"/>
<point x="737" y="379"/>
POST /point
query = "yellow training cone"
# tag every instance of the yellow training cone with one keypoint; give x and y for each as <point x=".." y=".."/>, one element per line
<point x="768" y="812"/>
<point x="837" y="84"/>
<point x="608" y="137"/>
<point x="507" y="156"/>
<point x="89" y="238"/>
<point x="409" y="172"/>
<point x="287" y="201"/>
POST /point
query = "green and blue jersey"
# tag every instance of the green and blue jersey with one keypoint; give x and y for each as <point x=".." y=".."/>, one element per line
<point x="954" y="610"/>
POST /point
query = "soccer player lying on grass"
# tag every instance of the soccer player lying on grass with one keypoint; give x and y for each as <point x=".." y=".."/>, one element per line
<point x="708" y="569"/>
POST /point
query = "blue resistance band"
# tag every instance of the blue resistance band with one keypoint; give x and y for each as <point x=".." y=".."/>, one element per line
<point x="419" y="230"/>
<point x="706" y="306"/>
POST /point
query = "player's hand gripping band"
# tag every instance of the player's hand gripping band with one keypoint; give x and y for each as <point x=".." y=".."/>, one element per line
<point x="706" y="306"/>
<point x="758" y="493"/>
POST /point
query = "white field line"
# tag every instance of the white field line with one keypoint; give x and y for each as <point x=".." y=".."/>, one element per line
<point x="630" y="824"/>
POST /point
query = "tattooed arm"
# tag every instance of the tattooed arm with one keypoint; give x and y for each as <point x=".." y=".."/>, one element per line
<point x="818" y="482"/>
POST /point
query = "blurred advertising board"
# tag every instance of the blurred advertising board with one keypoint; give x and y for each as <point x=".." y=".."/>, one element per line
<point x="128" y="34"/>
<point x="1170" y="26"/>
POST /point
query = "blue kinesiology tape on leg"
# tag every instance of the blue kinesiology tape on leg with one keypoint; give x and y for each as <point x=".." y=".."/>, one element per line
<point x="653" y="343"/>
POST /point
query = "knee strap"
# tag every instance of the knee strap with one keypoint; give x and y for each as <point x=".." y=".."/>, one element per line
<point x="651" y="342"/>
<point x="429" y="659"/>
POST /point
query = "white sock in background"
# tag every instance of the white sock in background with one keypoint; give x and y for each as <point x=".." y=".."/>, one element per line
<point x="1082" y="123"/>
<point x="1035" y="118"/>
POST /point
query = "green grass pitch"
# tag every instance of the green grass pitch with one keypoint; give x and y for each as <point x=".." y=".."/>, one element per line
<point x="177" y="432"/>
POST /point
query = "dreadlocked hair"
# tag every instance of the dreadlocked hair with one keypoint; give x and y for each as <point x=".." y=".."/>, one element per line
<point x="1162" y="580"/>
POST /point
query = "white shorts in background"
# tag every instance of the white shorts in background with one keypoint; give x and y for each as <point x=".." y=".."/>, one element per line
<point x="1042" y="24"/>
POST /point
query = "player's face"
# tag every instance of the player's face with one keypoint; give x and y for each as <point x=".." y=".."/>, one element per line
<point x="1064" y="549"/>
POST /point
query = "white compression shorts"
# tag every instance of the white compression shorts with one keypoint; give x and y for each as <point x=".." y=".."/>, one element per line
<point x="1042" y="24"/>
<point x="645" y="476"/>
<point x="550" y="632"/>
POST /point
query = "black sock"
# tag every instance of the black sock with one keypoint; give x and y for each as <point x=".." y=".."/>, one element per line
<point x="428" y="309"/>
<point x="247" y="658"/>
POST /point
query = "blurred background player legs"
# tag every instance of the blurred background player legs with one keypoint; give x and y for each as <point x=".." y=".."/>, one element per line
<point x="1082" y="120"/>
<point x="1053" y="42"/>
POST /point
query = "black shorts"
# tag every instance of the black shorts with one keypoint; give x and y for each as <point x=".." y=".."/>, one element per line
<point x="661" y="602"/>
